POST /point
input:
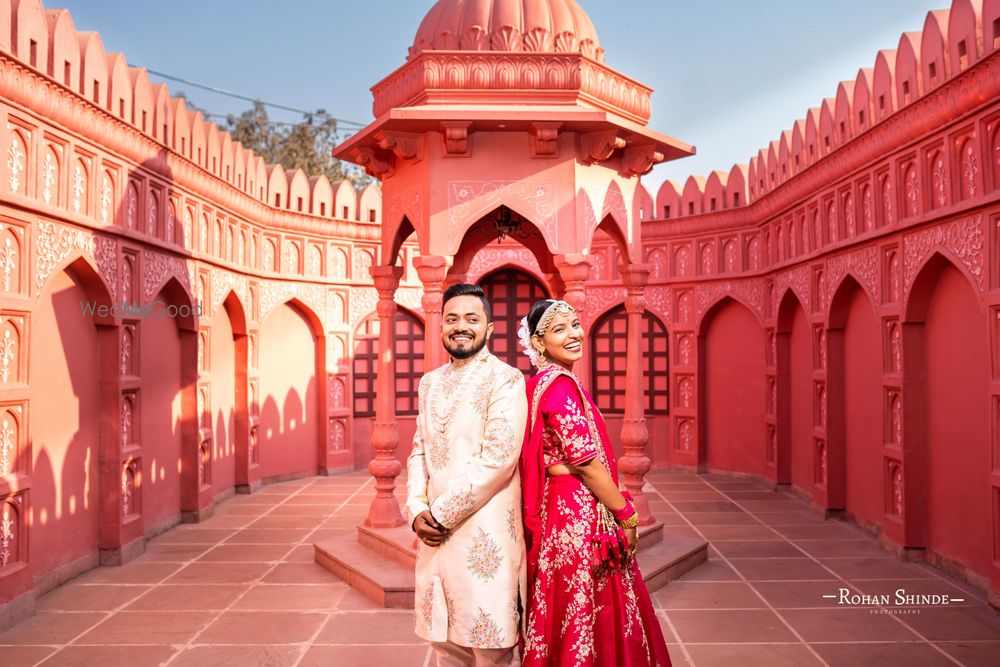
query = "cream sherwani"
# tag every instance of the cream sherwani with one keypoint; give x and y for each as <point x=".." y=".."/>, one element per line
<point x="463" y="468"/>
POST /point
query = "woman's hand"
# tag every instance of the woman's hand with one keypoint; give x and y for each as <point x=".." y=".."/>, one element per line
<point x="632" y="535"/>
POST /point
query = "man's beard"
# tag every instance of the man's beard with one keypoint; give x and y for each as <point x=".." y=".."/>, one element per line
<point x="465" y="352"/>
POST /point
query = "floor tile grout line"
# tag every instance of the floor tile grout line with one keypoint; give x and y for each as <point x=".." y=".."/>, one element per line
<point x="766" y="602"/>
<point x="670" y="623"/>
<point x="239" y="597"/>
<point x="180" y="565"/>
<point x="331" y="612"/>
<point x="107" y="614"/>
<point x="842" y="579"/>
<point x="345" y="510"/>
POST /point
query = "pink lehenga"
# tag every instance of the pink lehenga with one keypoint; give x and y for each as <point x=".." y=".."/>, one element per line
<point x="583" y="610"/>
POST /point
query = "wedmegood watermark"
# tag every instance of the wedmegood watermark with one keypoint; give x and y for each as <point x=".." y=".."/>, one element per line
<point x="155" y="309"/>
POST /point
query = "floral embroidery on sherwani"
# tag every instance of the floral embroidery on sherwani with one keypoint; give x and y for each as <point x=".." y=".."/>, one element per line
<point x="512" y="527"/>
<point x="484" y="557"/>
<point x="457" y="508"/>
<point x="500" y="443"/>
<point x="437" y="454"/>
<point x="427" y="605"/>
<point x="485" y="633"/>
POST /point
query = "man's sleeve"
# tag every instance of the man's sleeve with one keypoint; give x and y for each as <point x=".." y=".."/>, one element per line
<point x="489" y="470"/>
<point x="416" y="467"/>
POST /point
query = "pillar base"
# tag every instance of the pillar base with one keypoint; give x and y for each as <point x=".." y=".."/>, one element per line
<point x="384" y="513"/>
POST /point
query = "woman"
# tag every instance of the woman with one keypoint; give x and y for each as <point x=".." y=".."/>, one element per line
<point x="588" y="605"/>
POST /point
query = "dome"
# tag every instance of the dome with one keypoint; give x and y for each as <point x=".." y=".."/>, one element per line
<point x="547" y="26"/>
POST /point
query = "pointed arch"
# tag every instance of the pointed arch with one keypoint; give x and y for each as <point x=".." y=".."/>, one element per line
<point x="946" y="357"/>
<point x="794" y="457"/>
<point x="730" y="374"/>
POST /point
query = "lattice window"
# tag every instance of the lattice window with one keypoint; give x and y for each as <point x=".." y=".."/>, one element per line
<point x="408" y="339"/>
<point x="511" y="294"/>
<point x="608" y="362"/>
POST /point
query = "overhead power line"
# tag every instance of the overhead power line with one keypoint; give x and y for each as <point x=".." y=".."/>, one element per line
<point x="228" y="93"/>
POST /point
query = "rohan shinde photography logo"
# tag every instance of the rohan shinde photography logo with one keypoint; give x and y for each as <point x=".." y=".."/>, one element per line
<point x="156" y="309"/>
<point x="897" y="602"/>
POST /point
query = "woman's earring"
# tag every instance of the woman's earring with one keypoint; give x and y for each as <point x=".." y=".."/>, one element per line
<point x="542" y="361"/>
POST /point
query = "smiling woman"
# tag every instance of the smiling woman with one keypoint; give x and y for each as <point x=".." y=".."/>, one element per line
<point x="579" y="528"/>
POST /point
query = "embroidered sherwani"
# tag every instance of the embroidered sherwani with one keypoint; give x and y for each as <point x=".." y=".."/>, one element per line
<point x="463" y="468"/>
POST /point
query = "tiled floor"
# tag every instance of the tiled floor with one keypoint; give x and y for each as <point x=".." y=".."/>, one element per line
<point x="241" y="589"/>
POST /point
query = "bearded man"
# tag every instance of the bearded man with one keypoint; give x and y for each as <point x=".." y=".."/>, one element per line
<point x="464" y="495"/>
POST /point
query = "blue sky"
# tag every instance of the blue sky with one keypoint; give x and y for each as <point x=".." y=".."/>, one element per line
<point x="728" y="75"/>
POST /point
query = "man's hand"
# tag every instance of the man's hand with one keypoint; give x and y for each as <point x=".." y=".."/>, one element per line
<point x="429" y="530"/>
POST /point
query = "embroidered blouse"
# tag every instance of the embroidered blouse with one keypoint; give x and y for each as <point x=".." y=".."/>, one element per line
<point x="567" y="437"/>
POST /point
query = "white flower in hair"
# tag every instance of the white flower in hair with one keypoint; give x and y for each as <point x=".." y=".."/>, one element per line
<point x="524" y="338"/>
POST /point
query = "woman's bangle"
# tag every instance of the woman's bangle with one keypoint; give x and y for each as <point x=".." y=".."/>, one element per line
<point x="631" y="522"/>
<point x="626" y="516"/>
<point x="624" y="512"/>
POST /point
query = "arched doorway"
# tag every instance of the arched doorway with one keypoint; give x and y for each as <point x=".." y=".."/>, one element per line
<point x="511" y="293"/>
<point x="955" y="453"/>
<point x="854" y="417"/>
<point x="289" y="428"/>
<point x="64" y="430"/>
<point x="161" y="415"/>
<point x="795" y="407"/>
<point x="731" y="346"/>
<point x="223" y="361"/>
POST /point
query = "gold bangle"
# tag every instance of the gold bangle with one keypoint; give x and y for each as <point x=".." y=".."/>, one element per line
<point x="631" y="522"/>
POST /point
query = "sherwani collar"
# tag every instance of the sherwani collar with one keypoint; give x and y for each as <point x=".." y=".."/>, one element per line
<point x="480" y="356"/>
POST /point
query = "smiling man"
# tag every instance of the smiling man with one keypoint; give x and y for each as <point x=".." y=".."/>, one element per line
<point x="464" y="495"/>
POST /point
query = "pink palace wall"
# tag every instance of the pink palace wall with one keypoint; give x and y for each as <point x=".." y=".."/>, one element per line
<point x="832" y="307"/>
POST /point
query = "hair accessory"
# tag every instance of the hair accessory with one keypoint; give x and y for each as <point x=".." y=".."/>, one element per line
<point x="558" y="307"/>
<point x="524" y="338"/>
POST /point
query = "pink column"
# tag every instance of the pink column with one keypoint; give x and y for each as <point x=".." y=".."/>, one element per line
<point x="432" y="270"/>
<point x="635" y="464"/>
<point x="385" y="467"/>
<point x="573" y="273"/>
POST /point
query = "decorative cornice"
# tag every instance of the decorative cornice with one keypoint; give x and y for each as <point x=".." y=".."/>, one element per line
<point x="467" y="75"/>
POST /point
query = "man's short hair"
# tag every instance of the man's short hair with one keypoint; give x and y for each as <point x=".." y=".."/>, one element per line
<point x="465" y="289"/>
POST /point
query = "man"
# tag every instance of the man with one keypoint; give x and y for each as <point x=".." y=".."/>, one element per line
<point x="463" y="492"/>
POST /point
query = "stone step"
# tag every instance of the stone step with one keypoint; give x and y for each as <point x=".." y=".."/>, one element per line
<point x="650" y="535"/>
<point x="671" y="558"/>
<point x="383" y="580"/>
<point x="398" y="544"/>
<point x="379" y="563"/>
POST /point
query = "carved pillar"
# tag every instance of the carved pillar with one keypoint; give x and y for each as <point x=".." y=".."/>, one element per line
<point x="384" y="467"/>
<point x="555" y="283"/>
<point x="432" y="269"/>
<point x="573" y="273"/>
<point x="635" y="464"/>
